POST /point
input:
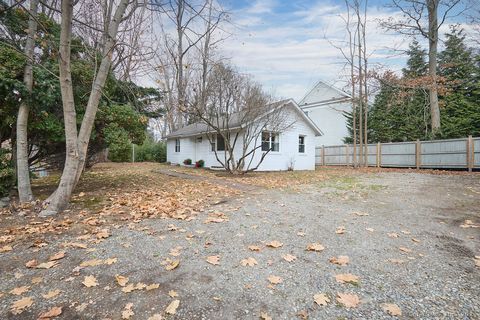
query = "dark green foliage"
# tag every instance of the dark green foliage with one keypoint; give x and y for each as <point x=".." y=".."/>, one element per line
<point x="200" y="164"/>
<point x="151" y="151"/>
<point x="7" y="179"/>
<point x="187" y="162"/>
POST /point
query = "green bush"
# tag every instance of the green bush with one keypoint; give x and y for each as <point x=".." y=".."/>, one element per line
<point x="151" y="151"/>
<point x="7" y="172"/>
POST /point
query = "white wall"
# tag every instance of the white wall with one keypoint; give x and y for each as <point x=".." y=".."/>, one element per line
<point x="286" y="156"/>
<point x="332" y="122"/>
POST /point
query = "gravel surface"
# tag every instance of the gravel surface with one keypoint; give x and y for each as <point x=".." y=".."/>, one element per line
<point x="438" y="279"/>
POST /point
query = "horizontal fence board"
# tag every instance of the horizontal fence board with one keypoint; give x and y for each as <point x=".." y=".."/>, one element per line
<point x="452" y="153"/>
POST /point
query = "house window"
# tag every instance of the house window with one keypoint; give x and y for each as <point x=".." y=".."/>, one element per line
<point x="177" y="145"/>
<point x="218" y="144"/>
<point x="301" y="144"/>
<point x="270" y="141"/>
<point x="199" y="139"/>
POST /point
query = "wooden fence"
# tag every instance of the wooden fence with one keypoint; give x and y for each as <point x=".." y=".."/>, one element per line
<point x="448" y="154"/>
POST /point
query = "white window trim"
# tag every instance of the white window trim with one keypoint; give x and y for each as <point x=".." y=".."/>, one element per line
<point x="270" y="141"/>
<point x="179" y="145"/>
<point x="214" y="143"/>
<point x="304" y="145"/>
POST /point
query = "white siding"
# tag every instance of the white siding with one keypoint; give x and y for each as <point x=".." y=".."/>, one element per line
<point x="287" y="156"/>
<point x="331" y="120"/>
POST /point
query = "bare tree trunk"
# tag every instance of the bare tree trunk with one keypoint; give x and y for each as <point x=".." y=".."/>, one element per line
<point x="432" y="6"/>
<point x="360" y="82"/>
<point x="77" y="146"/>
<point x="365" y="86"/>
<point x="23" y="173"/>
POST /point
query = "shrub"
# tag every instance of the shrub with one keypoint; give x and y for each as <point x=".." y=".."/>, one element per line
<point x="151" y="151"/>
<point x="199" y="164"/>
<point x="7" y="172"/>
<point x="187" y="162"/>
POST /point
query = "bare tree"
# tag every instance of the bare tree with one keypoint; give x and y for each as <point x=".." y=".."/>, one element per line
<point x="77" y="141"/>
<point x="424" y="18"/>
<point x="237" y="114"/>
<point x="23" y="173"/>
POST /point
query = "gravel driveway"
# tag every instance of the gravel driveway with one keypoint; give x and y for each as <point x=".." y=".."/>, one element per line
<point x="411" y="239"/>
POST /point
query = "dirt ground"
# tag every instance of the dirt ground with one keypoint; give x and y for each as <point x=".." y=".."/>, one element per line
<point x="141" y="239"/>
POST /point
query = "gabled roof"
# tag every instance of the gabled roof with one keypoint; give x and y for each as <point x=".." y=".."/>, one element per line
<point x="235" y="121"/>
<point x="323" y="93"/>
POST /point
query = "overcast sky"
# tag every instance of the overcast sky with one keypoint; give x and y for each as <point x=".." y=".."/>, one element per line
<point x="285" y="44"/>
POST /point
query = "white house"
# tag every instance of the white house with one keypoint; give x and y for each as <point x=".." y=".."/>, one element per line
<point x="325" y="105"/>
<point x="293" y="148"/>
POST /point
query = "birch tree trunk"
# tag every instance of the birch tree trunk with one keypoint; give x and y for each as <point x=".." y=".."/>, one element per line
<point x="23" y="173"/>
<point x="432" y="6"/>
<point x="77" y="145"/>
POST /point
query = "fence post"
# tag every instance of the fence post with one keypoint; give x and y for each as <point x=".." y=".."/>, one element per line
<point x="347" y="155"/>
<point x="470" y="154"/>
<point x="323" y="155"/>
<point x="379" y="154"/>
<point x="418" y="154"/>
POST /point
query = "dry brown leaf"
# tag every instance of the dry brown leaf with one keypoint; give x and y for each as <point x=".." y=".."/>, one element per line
<point x="6" y="248"/>
<point x="254" y="248"/>
<point x="347" y="278"/>
<point x="36" y="280"/>
<point x="265" y="316"/>
<point x="477" y="261"/>
<point x="31" y="264"/>
<point x="406" y="250"/>
<point x="152" y="286"/>
<point x="173" y="293"/>
<point x="348" y="300"/>
<point x="393" y="235"/>
<point x="215" y="260"/>
<point x="91" y="263"/>
<point x="415" y="240"/>
<point x="90" y="281"/>
<point x="52" y="313"/>
<point x="19" y="290"/>
<point x="317" y="247"/>
<point x="75" y="245"/>
<point x="175" y="251"/>
<point x="361" y="214"/>
<point x="275" y="279"/>
<point x="274" y="244"/>
<point x="321" y="299"/>
<point x="341" y="260"/>
<point x="156" y="316"/>
<point x="391" y="309"/>
<point x="121" y="280"/>
<point x="340" y="230"/>
<point x="172" y="265"/>
<point x="110" y="261"/>
<point x="20" y="305"/>
<point x="289" y="257"/>
<point x="51" y="294"/>
<point x="248" y="262"/>
<point x="172" y="307"/>
<point x="57" y="256"/>
<point x="303" y="314"/>
<point x="103" y="234"/>
<point x="127" y="311"/>
<point x="370" y="229"/>
<point x="46" y="265"/>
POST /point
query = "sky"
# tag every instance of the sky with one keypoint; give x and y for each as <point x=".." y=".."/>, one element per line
<point x="288" y="46"/>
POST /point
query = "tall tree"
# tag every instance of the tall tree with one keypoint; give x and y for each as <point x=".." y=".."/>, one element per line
<point x="23" y="172"/>
<point x="424" y="18"/>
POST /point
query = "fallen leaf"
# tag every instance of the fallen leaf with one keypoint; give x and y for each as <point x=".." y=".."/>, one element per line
<point x="175" y="251"/>
<point x="275" y="279"/>
<point x="347" y="278"/>
<point x="361" y="214"/>
<point x="52" y="313"/>
<point x="274" y="244"/>
<point x="348" y="300"/>
<point x="370" y="229"/>
<point x="36" y="280"/>
<point x="6" y="248"/>
<point x="340" y="230"/>
<point x="391" y="309"/>
<point x="46" y="265"/>
<point x="341" y="260"/>
<point x="477" y="261"/>
<point x="91" y="263"/>
<point x="110" y="261"/>
<point x="121" y="280"/>
<point x="172" y="265"/>
<point x="20" y="305"/>
<point x="392" y="235"/>
<point x="303" y="314"/>
<point x="81" y="194"/>
<point x="315" y="247"/>
<point x="172" y="307"/>
<point x="405" y="231"/>
<point x="215" y="260"/>
<point x="19" y="290"/>
<point x="403" y="249"/>
<point x="90" y="281"/>
<point x="31" y="264"/>
<point x="321" y="299"/>
<point x="152" y="286"/>
<point x="127" y="311"/>
<point x="173" y="293"/>
<point x="156" y="316"/>
<point x="51" y="294"/>
<point x="289" y="257"/>
<point x="415" y="240"/>
<point x="254" y="248"/>
<point x="265" y="316"/>
<point x="103" y="234"/>
<point x="248" y="262"/>
<point x="57" y="256"/>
